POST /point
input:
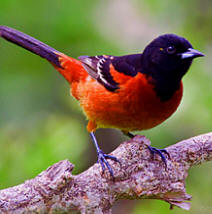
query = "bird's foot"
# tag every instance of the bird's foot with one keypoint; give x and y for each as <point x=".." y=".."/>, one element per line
<point x="160" y="152"/>
<point x="102" y="159"/>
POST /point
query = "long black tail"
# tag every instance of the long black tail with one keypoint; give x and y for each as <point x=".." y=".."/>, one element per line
<point x="30" y="44"/>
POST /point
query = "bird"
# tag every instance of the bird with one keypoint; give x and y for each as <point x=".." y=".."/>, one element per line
<point x="132" y="92"/>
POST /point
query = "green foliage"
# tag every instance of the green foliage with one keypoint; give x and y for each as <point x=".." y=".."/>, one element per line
<point x="41" y="124"/>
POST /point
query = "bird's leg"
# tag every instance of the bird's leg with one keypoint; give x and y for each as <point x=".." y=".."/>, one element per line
<point x="128" y="134"/>
<point x="102" y="157"/>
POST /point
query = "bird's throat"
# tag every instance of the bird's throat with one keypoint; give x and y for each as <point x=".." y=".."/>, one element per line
<point x="165" y="88"/>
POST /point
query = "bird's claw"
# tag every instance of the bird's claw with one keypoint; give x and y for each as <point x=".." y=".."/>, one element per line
<point x="102" y="159"/>
<point x="160" y="152"/>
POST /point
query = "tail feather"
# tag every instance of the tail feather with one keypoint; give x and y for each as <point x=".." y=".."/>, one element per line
<point x="30" y="44"/>
<point x="69" y="67"/>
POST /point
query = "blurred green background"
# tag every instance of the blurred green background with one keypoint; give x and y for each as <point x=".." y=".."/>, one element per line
<point x="41" y="124"/>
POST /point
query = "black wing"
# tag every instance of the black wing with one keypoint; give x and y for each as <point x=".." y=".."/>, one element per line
<point x="99" y="67"/>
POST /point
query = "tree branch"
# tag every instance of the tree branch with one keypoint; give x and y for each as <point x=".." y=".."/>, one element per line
<point x="139" y="176"/>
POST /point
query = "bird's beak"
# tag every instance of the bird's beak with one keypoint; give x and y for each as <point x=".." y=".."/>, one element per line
<point x="191" y="53"/>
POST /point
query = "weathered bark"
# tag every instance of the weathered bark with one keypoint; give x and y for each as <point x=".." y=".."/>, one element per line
<point x="139" y="176"/>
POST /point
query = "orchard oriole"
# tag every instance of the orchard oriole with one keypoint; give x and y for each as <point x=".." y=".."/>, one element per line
<point x="131" y="92"/>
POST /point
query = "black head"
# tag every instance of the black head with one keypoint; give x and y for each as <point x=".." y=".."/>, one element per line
<point x="166" y="59"/>
<point x="170" y="53"/>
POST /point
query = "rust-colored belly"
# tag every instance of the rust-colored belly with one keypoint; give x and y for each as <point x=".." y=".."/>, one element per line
<point x="134" y="106"/>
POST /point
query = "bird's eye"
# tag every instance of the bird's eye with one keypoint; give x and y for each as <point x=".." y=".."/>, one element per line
<point x="171" y="49"/>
